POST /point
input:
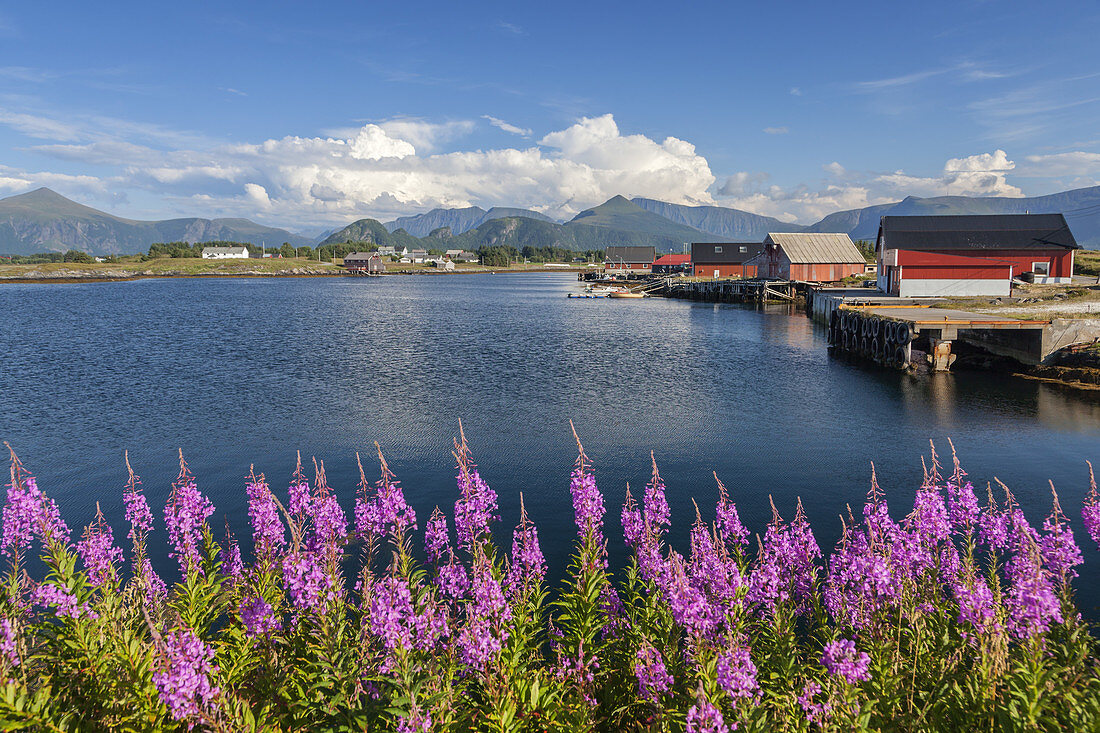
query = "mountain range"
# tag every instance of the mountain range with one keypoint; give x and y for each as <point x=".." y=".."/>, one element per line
<point x="43" y="220"/>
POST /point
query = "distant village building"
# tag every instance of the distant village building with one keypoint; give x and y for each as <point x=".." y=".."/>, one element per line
<point x="386" y="251"/>
<point x="971" y="255"/>
<point x="462" y="256"/>
<point x="225" y="253"/>
<point x="442" y="263"/>
<point x="417" y="255"/>
<point x="810" y="257"/>
<point x="365" y="262"/>
<point x="629" y="259"/>
<point x="671" y="264"/>
<point x="724" y="259"/>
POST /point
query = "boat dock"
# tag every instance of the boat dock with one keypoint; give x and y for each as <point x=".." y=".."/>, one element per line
<point x="885" y="334"/>
<point x="751" y="290"/>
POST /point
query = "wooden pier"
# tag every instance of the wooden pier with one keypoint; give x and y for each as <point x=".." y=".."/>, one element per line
<point x="754" y="290"/>
<point x="885" y="334"/>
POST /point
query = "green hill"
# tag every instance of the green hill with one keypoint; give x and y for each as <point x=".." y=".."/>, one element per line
<point x="45" y="221"/>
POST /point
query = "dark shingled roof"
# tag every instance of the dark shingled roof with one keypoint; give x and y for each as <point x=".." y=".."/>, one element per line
<point x="976" y="232"/>
<point x="644" y="255"/>
<point x="729" y="254"/>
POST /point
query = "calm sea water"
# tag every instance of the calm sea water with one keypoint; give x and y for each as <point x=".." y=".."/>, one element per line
<point x="240" y="372"/>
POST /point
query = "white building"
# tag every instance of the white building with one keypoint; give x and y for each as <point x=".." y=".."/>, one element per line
<point x="225" y="253"/>
<point x="442" y="263"/>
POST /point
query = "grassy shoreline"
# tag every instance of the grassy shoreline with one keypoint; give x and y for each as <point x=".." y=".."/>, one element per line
<point x="71" y="272"/>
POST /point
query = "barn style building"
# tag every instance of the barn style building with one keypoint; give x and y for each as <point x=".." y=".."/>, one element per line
<point x="810" y="257"/>
<point x="724" y="259"/>
<point x="629" y="259"/>
<point x="971" y="255"/>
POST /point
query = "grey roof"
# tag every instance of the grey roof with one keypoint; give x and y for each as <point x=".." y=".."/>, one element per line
<point x="361" y="256"/>
<point x="615" y="253"/>
<point x="971" y="232"/>
<point x="816" y="247"/>
<point x="728" y="253"/>
<point x="234" y="250"/>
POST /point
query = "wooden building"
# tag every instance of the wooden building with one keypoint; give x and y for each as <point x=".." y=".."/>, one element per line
<point x="629" y="259"/>
<point x="971" y="254"/>
<point x="810" y="257"/>
<point x="724" y="259"/>
<point x="369" y="263"/>
<point x="671" y="264"/>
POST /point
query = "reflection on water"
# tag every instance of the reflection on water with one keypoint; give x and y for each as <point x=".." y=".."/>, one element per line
<point x="243" y="371"/>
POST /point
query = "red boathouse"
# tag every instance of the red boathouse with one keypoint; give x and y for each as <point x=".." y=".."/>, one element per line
<point x="920" y="256"/>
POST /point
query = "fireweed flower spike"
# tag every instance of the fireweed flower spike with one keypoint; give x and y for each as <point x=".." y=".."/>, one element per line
<point x="268" y="533"/>
<point x="28" y="513"/>
<point x="97" y="550"/>
<point x="528" y="568"/>
<point x="730" y="529"/>
<point x="183" y="680"/>
<point x="477" y="505"/>
<point x="184" y="516"/>
<point x="138" y="513"/>
<point x="1061" y="555"/>
<point x="1090" y="513"/>
<point x="588" y="507"/>
<point x="842" y="659"/>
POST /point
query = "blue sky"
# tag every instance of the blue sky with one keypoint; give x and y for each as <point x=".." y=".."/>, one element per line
<point x="309" y="117"/>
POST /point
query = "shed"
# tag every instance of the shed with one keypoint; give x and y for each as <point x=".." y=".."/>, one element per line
<point x="629" y="259"/>
<point x="971" y="254"/>
<point x="225" y="253"/>
<point x="724" y="259"/>
<point x="811" y="257"/>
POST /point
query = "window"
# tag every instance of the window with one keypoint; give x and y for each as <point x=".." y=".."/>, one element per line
<point x="1041" y="268"/>
<point x="743" y="249"/>
<point x="717" y="249"/>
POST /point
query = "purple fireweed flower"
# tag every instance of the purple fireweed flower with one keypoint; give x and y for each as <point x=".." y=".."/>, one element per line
<point x="437" y="538"/>
<point x="786" y="566"/>
<point x="398" y="624"/>
<point x="98" y="551"/>
<point x="614" y="613"/>
<point x="736" y="673"/>
<point x="1090" y="512"/>
<point x="528" y="568"/>
<point x="183" y="680"/>
<point x="992" y="526"/>
<point x="61" y="600"/>
<point x="417" y="721"/>
<point x="633" y="524"/>
<point x="233" y="567"/>
<point x="306" y="582"/>
<point x="485" y="631"/>
<point x="657" y="515"/>
<point x="651" y="673"/>
<point x="1030" y="601"/>
<point x="27" y="514"/>
<point x="156" y="592"/>
<point x="842" y="659"/>
<point x="258" y="617"/>
<point x="184" y="515"/>
<point x="859" y="582"/>
<point x="330" y="525"/>
<point x="588" y="507"/>
<point x="962" y="507"/>
<point x="453" y="581"/>
<point x="475" y="509"/>
<point x="727" y="522"/>
<point x="977" y="607"/>
<point x="687" y="603"/>
<point x="816" y="712"/>
<point x="704" y="717"/>
<point x="268" y="533"/>
<point x="299" y="497"/>
<point x="929" y="521"/>
<point x="714" y="572"/>
<point x="9" y="643"/>
<point x="1059" y="550"/>
<point x="138" y="513"/>
<point x="386" y="510"/>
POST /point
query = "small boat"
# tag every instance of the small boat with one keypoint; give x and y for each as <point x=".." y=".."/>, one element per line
<point x="586" y="295"/>
<point x="625" y="294"/>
